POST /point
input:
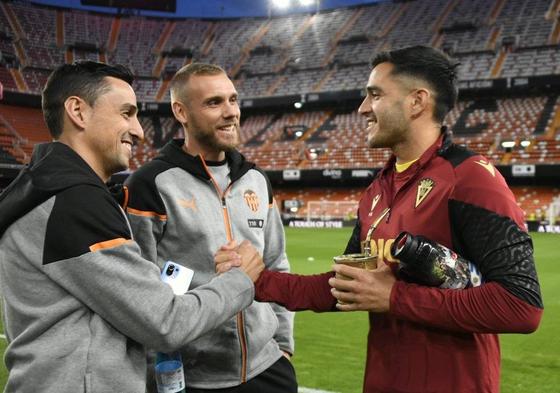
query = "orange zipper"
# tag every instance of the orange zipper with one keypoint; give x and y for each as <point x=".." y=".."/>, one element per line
<point x="229" y="235"/>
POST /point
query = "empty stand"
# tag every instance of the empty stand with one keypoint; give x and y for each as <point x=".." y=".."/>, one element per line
<point x="503" y="118"/>
<point x="29" y="129"/>
<point x="86" y="28"/>
<point x="39" y="42"/>
<point x="529" y="62"/>
<point x="293" y="54"/>
<point x="534" y="201"/>
<point x="136" y="43"/>
<point x="7" y="80"/>
<point x="328" y="51"/>
<point x="35" y="79"/>
<point x="146" y="88"/>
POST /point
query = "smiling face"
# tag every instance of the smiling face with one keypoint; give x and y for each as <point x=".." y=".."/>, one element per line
<point x="211" y="114"/>
<point x="112" y="127"/>
<point x="384" y="107"/>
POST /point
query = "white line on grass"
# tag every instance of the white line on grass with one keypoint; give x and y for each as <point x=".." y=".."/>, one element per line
<point x="2" y="336"/>
<point x="308" y="390"/>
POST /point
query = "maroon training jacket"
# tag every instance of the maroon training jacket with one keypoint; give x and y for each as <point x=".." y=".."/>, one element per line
<point x="437" y="340"/>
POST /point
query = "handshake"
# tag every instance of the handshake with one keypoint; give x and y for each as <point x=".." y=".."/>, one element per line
<point x="244" y="256"/>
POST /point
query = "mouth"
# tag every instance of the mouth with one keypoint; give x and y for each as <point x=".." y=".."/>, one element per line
<point x="371" y="122"/>
<point x="128" y="145"/>
<point x="228" y="128"/>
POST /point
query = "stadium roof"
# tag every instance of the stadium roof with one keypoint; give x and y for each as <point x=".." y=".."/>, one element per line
<point x="220" y="8"/>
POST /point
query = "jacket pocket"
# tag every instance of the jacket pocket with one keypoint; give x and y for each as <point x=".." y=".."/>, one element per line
<point x="261" y="325"/>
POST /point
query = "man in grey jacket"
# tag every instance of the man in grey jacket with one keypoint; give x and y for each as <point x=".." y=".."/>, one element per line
<point x="197" y="195"/>
<point x="80" y="303"/>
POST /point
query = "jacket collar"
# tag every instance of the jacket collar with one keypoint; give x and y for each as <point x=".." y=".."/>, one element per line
<point x="173" y="153"/>
<point x="440" y="146"/>
<point x="54" y="167"/>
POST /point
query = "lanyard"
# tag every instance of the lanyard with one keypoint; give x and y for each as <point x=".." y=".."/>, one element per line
<point x="367" y="245"/>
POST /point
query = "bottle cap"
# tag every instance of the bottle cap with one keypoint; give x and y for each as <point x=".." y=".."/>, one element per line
<point x="404" y="247"/>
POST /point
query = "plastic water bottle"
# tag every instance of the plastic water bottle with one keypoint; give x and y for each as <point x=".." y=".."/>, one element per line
<point x="170" y="377"/>
<point x="429" y="263"/>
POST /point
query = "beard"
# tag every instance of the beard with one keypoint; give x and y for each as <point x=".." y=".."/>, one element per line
<point x="392" y="129"/>
<point x="212" y="141"/>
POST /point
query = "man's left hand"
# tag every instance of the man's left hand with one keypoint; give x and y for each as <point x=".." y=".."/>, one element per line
<point x="369" y="290"/>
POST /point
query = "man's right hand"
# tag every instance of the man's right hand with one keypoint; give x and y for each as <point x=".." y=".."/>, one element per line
<point x="245" y="256"/>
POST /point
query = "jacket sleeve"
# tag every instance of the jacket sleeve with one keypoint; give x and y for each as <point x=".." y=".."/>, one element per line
<point x="488" y="229"/>
<point x="296" y="292"/>
<point x="354" y="244"/>
<point x="146" y="213"/>
<point x="88" y="251"/>
<point x="275" y="259"/>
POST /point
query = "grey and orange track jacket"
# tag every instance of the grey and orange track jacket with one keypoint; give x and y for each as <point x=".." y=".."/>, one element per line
<point x="179" y="213"/>
<point x="80" y="303"/>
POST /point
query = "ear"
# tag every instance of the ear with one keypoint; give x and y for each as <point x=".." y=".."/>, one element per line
<point x="76" y="110"/>
<point x="420" y="101"/>
<point x="180" y="112"/>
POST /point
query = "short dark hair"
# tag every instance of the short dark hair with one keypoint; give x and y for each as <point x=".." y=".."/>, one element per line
<point x="85" y="79"/>
<point x="430" y="65"/>
<point x="182" y="76"/>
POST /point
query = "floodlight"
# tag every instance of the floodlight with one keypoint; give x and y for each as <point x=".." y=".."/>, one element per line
<point x="281" y="3"/>
<point x="508" y="144"/>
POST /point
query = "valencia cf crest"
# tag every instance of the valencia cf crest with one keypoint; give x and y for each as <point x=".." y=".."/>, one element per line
<point x="425" y="186"/>
<point x="252" y="200"/>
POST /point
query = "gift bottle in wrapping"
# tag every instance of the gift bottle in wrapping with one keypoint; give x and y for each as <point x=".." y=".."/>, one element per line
<point x="426" y="262"/>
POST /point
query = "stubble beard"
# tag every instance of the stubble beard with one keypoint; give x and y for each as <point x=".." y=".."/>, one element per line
<point x="120" y="163"/>
<point x="212" y="142"/>
<point x="392" y="130"/>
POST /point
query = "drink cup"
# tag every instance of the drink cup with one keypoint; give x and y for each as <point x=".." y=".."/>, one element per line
<point x="362" y="261"/>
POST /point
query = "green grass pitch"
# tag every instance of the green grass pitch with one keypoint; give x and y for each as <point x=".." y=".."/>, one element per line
<point x="330" y="347"/>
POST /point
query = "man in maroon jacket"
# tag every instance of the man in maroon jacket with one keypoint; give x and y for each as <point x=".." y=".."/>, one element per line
<point x="424" y="339"/>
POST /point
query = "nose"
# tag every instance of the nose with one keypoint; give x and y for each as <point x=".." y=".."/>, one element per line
<point x="231" y="110"/>
<point x="364" y="107"/>
<point x="136" y="130"/>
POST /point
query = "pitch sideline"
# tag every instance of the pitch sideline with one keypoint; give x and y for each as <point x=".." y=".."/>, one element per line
<point x="308" y="390"/>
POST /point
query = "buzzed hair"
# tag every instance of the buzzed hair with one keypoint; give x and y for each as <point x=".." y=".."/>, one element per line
<point x="179" y="81"/>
